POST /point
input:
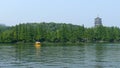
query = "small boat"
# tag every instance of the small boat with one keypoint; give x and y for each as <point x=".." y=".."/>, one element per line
<point x="37" y="43"/>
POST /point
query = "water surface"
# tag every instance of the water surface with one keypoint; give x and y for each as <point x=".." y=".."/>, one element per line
<point x="63" y="56"/>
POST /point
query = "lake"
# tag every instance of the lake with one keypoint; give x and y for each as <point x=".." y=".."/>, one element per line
<point x="60" y="56"/>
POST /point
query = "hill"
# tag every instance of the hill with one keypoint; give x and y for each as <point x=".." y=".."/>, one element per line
<point x="3" y="28"/>
<point x="58" y="32"/>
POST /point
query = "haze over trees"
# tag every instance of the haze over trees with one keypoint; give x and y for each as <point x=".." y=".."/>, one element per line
<point x="57" y="32"/>
<point x="3" y="28"/>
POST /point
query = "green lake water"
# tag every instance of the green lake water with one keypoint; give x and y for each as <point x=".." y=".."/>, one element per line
<point x="63" y="56"/>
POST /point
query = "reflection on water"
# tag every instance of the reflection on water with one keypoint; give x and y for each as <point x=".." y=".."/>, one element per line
<point x="99" y="56"/>
<point x="37" y="46"/>
<point x="58" y="56"/>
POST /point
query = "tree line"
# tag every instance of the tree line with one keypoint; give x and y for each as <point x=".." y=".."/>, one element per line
<point x="58" y="32"/>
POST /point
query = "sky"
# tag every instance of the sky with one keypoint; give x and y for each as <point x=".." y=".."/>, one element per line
<point x="78" y="12"/>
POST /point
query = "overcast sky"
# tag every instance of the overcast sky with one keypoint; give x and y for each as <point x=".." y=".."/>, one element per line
<point x="78" y="12"/>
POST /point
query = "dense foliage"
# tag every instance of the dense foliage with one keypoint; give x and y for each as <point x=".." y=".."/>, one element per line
<point x="61" y="32"/>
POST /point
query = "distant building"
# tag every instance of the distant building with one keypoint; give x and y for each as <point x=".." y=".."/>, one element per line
<point x="98" y="21"/>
